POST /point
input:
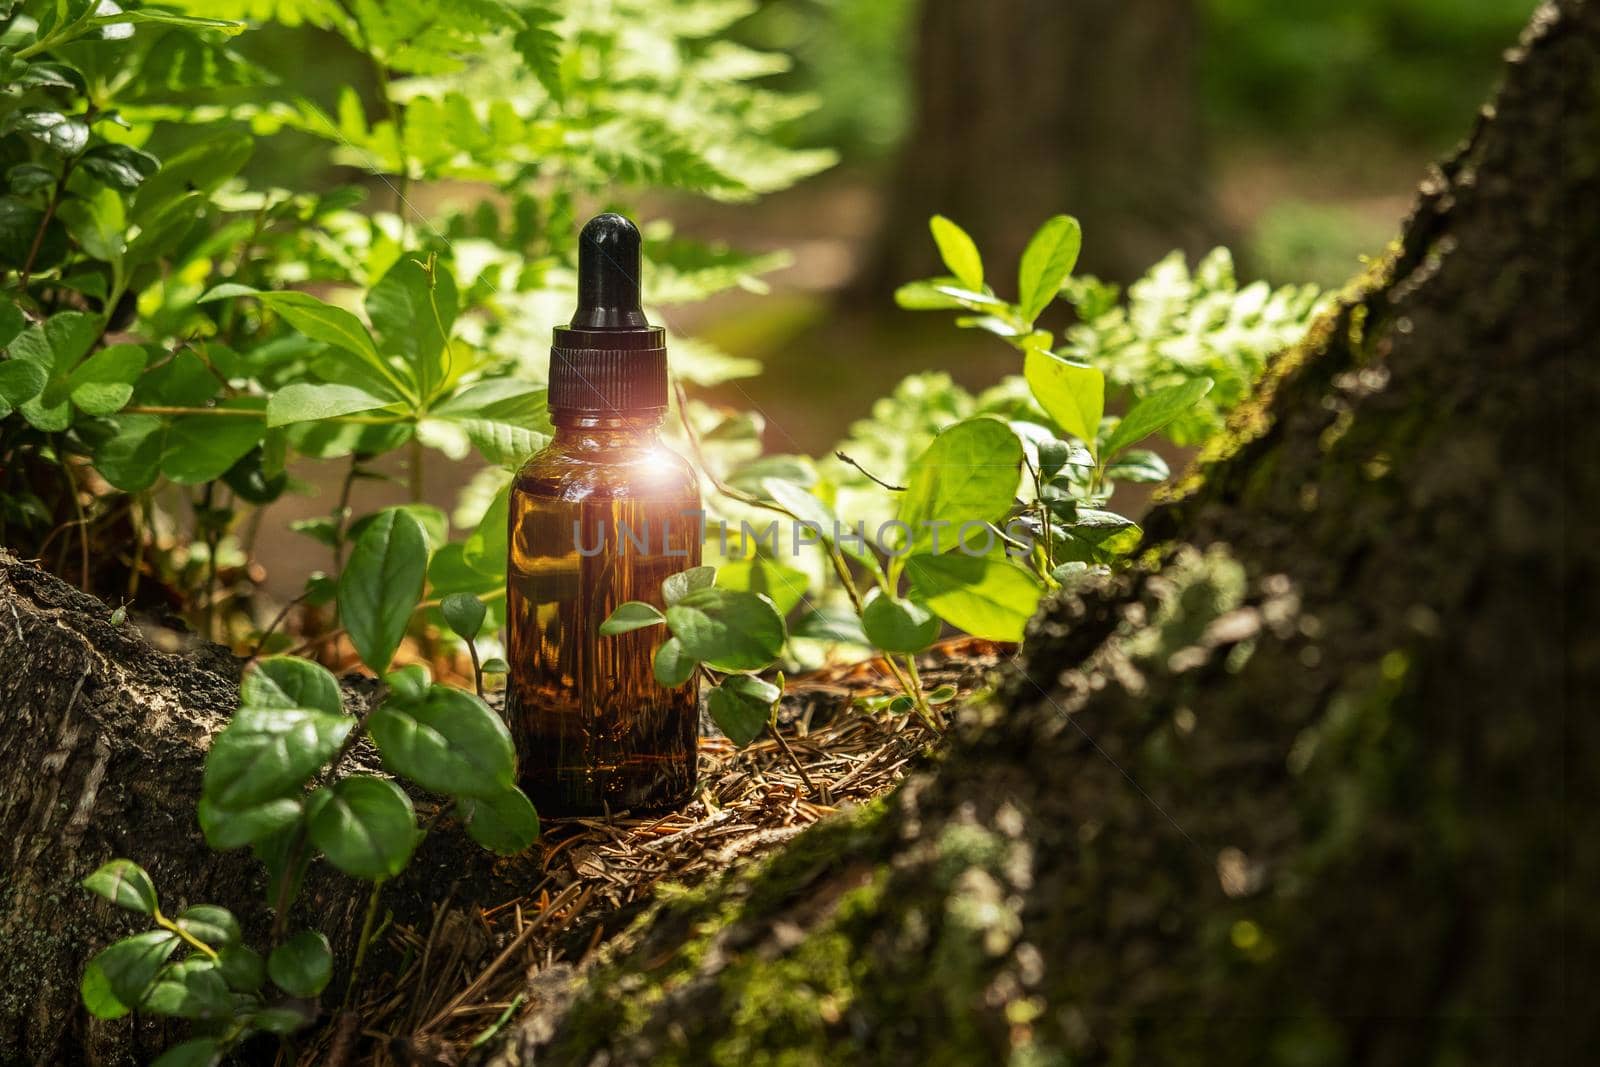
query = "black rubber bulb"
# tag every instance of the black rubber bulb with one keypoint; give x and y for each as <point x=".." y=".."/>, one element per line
<point x="608" y="276"/>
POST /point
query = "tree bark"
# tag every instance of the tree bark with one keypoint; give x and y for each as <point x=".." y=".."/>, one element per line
<point x="1305" y="787"/>
<point x="102" y="743"/>
<point x="1025" y="109"/>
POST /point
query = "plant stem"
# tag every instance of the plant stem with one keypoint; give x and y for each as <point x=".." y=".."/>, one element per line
<point x="166" y="923"/>
<point x="44" y="223"/>
<point x="363" y="942"/>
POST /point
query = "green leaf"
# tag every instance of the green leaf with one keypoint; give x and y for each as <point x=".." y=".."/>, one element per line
<point x="485" y="549"/>
<point x="958" y="252"/>
<point x="830" y="626"/>
<point x="192" y="173"/>
<point x="731" y="631"/>
<point x="672" y="665"/>
<point x="116" y="979"/>
<point x="20" y="382"/>
<point x="282" y="1018"/>
<point x="506" y="420"/>
<point x="503" y="822"/>
<point x="896" y="625"/>
<point x="25" y="178"/>
<point x="242" y="968"/>
<point x="465" y="614"/>
<point x="1153" y="412"/>
<point x="413" y="310"/>
<point x="291" y="682"/>
<point x="320" y="322"/>
<point x="226" y="828"/>
<point x="169" y="18"/>
<point x="1140" y="466"/>
<point x="677" y="586"/>
<point x="196" y="1052"/>
<point x="125" y="884"/>
<point x="130" y="459"/>
<point x="302" y="965"/>
<point x="629" y="616"/>
<point x="382" y="585"/>
<point x="1046" y="263"/>
<point x="119" y="166"/>
<point x="12" y="321"/>
<point x="449" y="742"/>
<point x="214" y="925"/>
<point x="266" y="753"/>
<point x="807" y="508"/>
<point x="103" y="383"/>
<point x="496" y="665"/>
<point x="1103" y="535"/>
<point x="189" y="989"/>
<point x="19" y="225"/>
<point x="312" y="401"/>
<point x="968" y="475"/>
<point x="1072" y="394"/>
<point x="985" y="596"/>
<point x="742" y="706"/>
<point x="64" y="134"/>
<point x="930" y="294"/>
<point x="201" y="448"/>
<point x="785" y="586"/>
<point x="364" y="825"/>
<point x="434" y="522"/>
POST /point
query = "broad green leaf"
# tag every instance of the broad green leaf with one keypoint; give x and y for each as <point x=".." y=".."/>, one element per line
<point x="192" y="173"/>
<point x="434" y="522"/>
<point x="242" y="968"/>
<point x="189" y="989"/>
<point x="485" y="549"/>
<point x="1153" y="412"/>
<point x="130" y="459"/>
<point x="677" y="586"/>
<point x="311" y="401"/>
<point x="382" y="585"/>
<point x="284" y="1017"/>
<point x="103" y="383"/>
<point x="365" y="826"/>
<point x="731" y="631"/>
<point x="320" y="322"/>
<point x="506" y="420"/>
<point x="672" y="665"/>
<point x="201" y="448"/>
<point x="449" y="742"/>
<point x="465" y="614"/>
<point x="267" y="753"/>
<point x="1140" y="466"/>
<point x="413" y="311"/>
<point x="967" y="476"/>
<point x="807" y="508"/>
<point x="830" y="626"/>
<point x="503" y="822"/>
<point x="20" y="382"/>
<point x="291" y="682"/>
<point x="214" y="925"/>
<point x="1046" y="263"/>
<point x="12" y="321"/>
<point x="409" y="684"/>
<point x="125" y="884"/>
<point x="118" y="165"/>
<point x="930" y="294"/>
<point x="64" y="134"/>
<point x="957" y="251"/>
<point x="164" y="17"/>
<point x="985" y="596"/>
<point x="116" y="979"/>
<point x="629" y="616"/>
<point x="785" y="586"/>
<point x="302" y="965"/>
<point x="896" y="625"/>
<point x="1102" y="536"/>
<point x="742" y="706"/>
<point x="19" y="225"/>
<point x="196" y="1052"/>
<point x="1072" y="394"/>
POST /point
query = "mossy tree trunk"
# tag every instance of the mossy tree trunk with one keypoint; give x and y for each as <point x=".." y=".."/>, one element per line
<point x="1310" y="786"/>
<point x="102" y="742"/>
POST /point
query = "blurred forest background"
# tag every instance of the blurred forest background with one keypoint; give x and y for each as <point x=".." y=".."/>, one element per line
<point x="1292" y="133"/>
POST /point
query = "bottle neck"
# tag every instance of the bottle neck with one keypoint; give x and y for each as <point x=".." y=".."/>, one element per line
<point x="587" y="429"/>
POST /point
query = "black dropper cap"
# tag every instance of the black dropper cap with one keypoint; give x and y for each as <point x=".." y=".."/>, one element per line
<point x="608" y="360"/>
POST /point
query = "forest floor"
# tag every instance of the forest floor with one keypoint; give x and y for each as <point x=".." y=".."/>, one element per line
<point x="471" y="969"/>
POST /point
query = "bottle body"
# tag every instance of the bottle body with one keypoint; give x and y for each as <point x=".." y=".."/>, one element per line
<point x="600" y="516"/>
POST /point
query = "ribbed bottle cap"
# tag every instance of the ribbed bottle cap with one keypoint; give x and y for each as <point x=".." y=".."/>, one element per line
<point x="609" y="359"/>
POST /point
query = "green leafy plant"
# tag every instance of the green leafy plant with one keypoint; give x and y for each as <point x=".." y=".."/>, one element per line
<point x="276" y="782"/>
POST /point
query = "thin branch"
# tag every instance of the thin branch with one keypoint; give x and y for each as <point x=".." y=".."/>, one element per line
<point x="872" y="477"/>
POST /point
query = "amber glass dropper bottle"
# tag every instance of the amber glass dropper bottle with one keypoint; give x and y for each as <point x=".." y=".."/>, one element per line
<point x="599" y="517"/>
